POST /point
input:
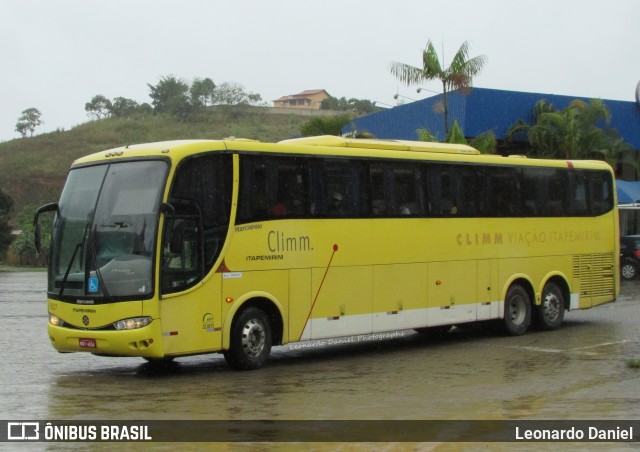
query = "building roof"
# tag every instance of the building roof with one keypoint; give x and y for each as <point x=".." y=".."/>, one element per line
<point x="302" y="95"/>
<point x="482" y="110"/>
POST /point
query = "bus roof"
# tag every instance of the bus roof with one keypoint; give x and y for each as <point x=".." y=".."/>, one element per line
<point x="327" y="145"/>
<point x="327" y="141"/>
<point x="395" y="145"/>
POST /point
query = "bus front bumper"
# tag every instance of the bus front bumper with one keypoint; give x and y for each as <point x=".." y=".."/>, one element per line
<point x="143" y="342"/>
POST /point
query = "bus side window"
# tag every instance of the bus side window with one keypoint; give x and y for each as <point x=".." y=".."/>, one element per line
<point x="338" y="190"/>
<point x="503" y="186"/>
<point x="538" y="196"/>
<point x="577" y="192"/>
<point x="273" y="188"/>
<point x="378" y="192"/>
<point x="252" y="203"/>
<point x="600" y="192"/>
<point x="533" y="189"/>
<point x="406" y="184"/>
<point x="557" y="193"/>
<point x="440" y="187"/>
<point x="292" y="187"/>
<point x="469" y="192"/>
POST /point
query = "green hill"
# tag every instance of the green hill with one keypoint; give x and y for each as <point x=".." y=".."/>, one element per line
<point x="33" y="170"/>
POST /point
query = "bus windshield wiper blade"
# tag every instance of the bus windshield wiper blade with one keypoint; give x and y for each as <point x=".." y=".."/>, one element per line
<point x="94" y="256"/>
<point x="66" y="273"/>
<point x="117" y="224"/>
<point x="73" y="258"/>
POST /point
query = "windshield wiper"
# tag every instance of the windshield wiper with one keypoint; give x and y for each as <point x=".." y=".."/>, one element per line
<point x="118" y="224"/>
<point x="94" y="256"/>
<point x="79" y="246"/>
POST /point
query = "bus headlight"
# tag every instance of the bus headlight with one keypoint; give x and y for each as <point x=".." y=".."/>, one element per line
<point x="132" y="324"/>
<point x="55" y="320"/>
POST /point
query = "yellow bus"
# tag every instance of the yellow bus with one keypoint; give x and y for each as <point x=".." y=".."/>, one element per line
<point x="179" y="248"/>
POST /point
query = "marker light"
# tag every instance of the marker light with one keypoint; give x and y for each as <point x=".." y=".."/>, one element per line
<point x="132" y="324"/>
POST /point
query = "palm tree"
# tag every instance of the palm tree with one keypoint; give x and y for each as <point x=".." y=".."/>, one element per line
<point x="486" y="142"/>
<point x="574" y="132"/>
<point x="459" y="74"/>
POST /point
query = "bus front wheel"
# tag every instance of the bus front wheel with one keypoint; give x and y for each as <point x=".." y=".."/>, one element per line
<point x="250" y="341"/>
<point x="551" y="310"/>
<point x="517" y="311"/>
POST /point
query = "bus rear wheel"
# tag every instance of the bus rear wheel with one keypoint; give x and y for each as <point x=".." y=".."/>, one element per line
<point x="250" y="341"/>
<point x="517" y="311"/>
<point x="550" y="313"/>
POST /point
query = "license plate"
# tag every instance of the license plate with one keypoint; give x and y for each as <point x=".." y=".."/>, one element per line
<point x="87" y="343"/>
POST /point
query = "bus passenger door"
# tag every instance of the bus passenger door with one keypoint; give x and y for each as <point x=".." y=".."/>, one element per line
<point x="192" y="320"/>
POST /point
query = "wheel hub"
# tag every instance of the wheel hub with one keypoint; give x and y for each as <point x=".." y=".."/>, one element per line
<point x="517" y="310"/>
<point x="551" y="307"/>
<point x="253" y="338"/>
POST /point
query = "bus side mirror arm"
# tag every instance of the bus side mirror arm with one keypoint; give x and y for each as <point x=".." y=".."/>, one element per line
<point x="51" y="207"/>
<point x="167" y="209"/>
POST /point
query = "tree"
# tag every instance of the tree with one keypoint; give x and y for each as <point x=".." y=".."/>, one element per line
<point x="23" y="246"/>
<point x="571" y="133"/>
<point x="28" y="121"/>
<point x="175" y="97"/>
<point x="455" y="135"/>
<point x="425" y="135"/>
<point x="331" y="125"/>
<point x="486" y="142"/>
<point x="99" y="107"/>
<point x="333" y="103"/>
<point x="202" y="92"/>
<point x="123" y="107"/>
<point x="359" y="106"/>
<point x="170" y="96"/>
<point x="234" y="94"/>
<point x="459" y="74"/>
<point x="6" y="204"/>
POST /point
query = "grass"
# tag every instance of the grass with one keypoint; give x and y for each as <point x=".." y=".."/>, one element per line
<point x="13" y="268"/>
<point x="33" y="170"/>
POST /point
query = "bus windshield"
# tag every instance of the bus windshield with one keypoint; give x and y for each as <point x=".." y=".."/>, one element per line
<point x="104" y="233"/>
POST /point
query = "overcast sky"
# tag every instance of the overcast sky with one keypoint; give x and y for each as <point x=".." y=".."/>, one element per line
<point x="57" y="55"/>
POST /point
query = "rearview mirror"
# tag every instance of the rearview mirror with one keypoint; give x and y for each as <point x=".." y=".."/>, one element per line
<point x="51" y="207"/>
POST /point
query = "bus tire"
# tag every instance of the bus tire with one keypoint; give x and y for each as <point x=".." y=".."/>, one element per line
<point x="250" y="341"/>
<point x="550" y="312"/>
<point x="161" y="361"/>
<point x="517" y="311"/>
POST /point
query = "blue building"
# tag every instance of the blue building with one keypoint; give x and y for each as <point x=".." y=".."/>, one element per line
<point x="482" y="110"/>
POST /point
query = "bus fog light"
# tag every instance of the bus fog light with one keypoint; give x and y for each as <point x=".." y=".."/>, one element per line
<point x="55" y="320"/>
<point x="132" y="324"/>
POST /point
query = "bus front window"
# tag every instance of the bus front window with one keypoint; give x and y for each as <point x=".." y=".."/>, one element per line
<point x="103" y="238"/>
